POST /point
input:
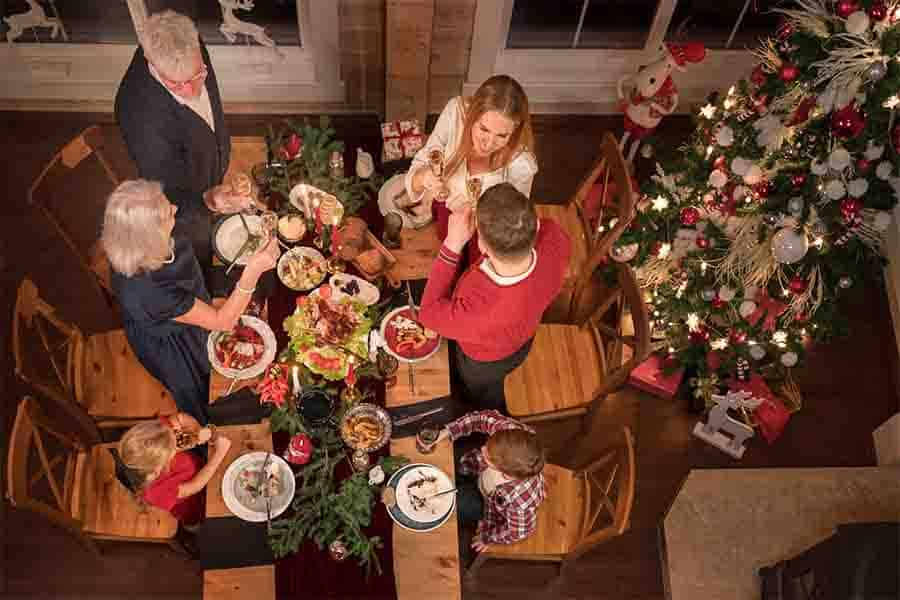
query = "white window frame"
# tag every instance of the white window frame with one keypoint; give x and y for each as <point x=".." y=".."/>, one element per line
<point x="583" y="80"/>
<point x="85" y="77"/>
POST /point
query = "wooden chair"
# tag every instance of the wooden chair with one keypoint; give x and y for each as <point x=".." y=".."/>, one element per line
<point x="87" y="500"/>
<point x="571" y="368"/>
<point x="583" y="509"/>
<point x="100" y="373"/>
<point x="59" y="193"/>
<point x="589" y="246"/>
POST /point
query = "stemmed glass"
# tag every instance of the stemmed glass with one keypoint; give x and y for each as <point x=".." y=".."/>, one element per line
<point x="473" y="187"/>
<point x="436" y="162"/>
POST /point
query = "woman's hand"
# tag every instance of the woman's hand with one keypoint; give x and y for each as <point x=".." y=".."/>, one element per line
<point x="460" y="228"/>
<point x="266" y="258"/>
<point x="431" y="183"/>
<point x="222" y="199"/>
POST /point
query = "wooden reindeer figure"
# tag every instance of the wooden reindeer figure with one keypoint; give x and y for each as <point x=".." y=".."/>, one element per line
<point x="35" y="17"/>
<point x="653" y="93"/>
<point x="719" y="421"/>
<point x="232" y="26"/>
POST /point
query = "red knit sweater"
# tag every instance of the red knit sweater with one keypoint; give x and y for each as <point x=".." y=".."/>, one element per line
<point x="491" y="321"/>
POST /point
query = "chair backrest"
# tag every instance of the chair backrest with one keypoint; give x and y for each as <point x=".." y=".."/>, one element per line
<point x="48" y="352"/>
<point x="71" y="193"/>
<point x="39" y="452"/>
<point x="608" y="485"/>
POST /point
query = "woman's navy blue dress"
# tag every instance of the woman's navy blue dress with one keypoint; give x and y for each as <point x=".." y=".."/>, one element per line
<point x="172" y="352"/>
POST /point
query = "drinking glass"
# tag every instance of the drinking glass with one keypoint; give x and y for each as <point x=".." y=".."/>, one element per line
<point x="427" y="437"/>
<point x="393" y="225"/>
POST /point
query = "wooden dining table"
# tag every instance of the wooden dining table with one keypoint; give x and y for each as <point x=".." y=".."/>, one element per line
<point x="425" y="564"/>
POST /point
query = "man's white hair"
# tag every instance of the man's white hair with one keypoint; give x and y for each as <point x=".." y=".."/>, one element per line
<point x="133" y="235"/>
<point x="170" y="41"/>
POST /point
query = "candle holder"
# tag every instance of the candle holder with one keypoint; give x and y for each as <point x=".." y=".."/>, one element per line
<point x="360" y="460"/>
<point x="335" y="264"/>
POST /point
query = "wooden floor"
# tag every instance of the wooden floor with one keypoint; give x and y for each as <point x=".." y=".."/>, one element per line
<point x="849" y="388"/>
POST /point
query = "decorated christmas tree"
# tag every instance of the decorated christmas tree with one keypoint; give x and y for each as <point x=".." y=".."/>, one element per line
<point x="777" y="204"/>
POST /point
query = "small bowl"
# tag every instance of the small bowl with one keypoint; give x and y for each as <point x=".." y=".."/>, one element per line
<point x="290" y="239"/>
<point x="375" y="412"/>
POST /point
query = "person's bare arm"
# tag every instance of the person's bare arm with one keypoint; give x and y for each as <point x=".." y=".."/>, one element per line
<point x="220" y="446"/>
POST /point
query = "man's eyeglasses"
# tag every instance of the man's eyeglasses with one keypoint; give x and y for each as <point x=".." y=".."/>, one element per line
<point x="179" y="85"/>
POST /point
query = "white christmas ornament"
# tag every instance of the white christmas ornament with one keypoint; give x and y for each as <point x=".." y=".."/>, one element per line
<point x="757" y="352"/>
<point x="795" y="205"/>
<point x="376" y="475"/>
<point x="857" y="23"/>
<point x="825" y="100"/>
<point x="739" y="166"/>
<point x="770" y="132"/>
<point x="835" y="189"/>
<point x="753" y="175"/>
<point x="882" y="221"/>
<point x="747" y="308"/>
<point x="622" y="254"/>
<point x="873" y="151"/>
<point x="725" y="136"/>
<point x="718" y="179"/>
<point x="839" y="159"/>
<point x="788" y="246"/>
<point x="883" y="170"/>
<point x="726" y="293"/>
<point x="818" y="168"/>
<point x="857" y="187"/>
<point x="789" y="359"/>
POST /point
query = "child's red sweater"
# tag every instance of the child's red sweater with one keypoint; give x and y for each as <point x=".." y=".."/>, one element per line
<point x="489" y="316"/>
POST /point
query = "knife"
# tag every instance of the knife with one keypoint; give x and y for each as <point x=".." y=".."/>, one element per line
<point x="240" y="253"/>
<point x="418" y="417"/>
<point x="262" y="476"/>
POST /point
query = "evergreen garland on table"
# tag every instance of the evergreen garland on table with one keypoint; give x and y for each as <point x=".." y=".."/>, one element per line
<point x="305" y="153"/>
<point x="746" y="239"/>
<point x="323" y="512"/>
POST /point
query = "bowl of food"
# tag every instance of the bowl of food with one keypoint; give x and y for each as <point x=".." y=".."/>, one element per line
<point x="366" y="427"/>
<point x="255" y="480"/>
<point x="291" y="228"/>
<point x="302" y="268"/>
<point x="245" y="351"/>
<point x="406" y="339"/>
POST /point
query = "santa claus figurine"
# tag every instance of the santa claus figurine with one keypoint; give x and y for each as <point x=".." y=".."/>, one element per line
<point x="653" y="94"/>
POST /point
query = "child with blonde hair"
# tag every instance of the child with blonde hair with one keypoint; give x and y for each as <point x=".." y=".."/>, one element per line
<point x="168" y="475"/>
<point x="509" y="481"/>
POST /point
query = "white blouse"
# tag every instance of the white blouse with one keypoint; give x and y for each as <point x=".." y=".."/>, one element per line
<point x="446" y="137"/>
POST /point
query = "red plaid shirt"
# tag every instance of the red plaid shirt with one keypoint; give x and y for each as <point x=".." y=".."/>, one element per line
<point x="510" y="511"/>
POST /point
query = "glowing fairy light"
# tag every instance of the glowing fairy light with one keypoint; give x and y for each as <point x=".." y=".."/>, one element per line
<point x="708" y="111"/>
<point x="660" y="203"/>
<point x="891" y="102"/>
<point x="703" y="266"/>
<point x="665" y="250"/>
<point x="693" y="321"/>
<point x="780" y="338"/>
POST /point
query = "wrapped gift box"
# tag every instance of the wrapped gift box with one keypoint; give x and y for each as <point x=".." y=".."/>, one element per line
<point x="650" y="377"/>
<point x="402" y="139"/>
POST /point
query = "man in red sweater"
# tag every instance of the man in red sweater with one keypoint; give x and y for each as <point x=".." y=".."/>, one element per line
<point x="495" y="307"/>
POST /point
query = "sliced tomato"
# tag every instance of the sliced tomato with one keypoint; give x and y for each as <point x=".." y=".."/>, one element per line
<point x="325" y="292"/>
<point x="300" y="301"/>
<point x="332" y="364"/>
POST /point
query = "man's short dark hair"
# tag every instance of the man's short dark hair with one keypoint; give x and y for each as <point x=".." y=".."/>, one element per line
<point x="507" y="221"/>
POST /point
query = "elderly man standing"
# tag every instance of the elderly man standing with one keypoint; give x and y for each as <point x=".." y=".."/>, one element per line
<point x="170" y="113"/>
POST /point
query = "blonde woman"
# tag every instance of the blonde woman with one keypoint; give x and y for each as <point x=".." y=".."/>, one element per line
<point x="167" y="477"/>
<point x="170" y="113"/>
<point x="485" y="139"/>
<point x="166" y="309"/>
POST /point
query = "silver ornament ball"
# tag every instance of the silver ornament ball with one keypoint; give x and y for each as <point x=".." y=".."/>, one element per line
<point x="647" y="151"/>
<point x="789" y="246"/>
<point x="795" y="205"/>
<point x="757" y="352"/>
<point x="876" y="71"/>
<point x="845" y="282"/>
<point x="708" y="294"/>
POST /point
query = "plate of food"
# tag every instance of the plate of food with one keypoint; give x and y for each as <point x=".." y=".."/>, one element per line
<point x="243" y="352"/>
<point x="366" y="427"/>
<point x="301" y="268"/>
<point x="229" y="237"/>
<point x="254" y="478"/>
<point x="406" y="339"/>
<point x="419" y="504"/>
<point x="326" y="332"/>
<point x="353" y="287"/>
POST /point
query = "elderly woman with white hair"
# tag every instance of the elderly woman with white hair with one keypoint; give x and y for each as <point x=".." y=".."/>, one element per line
<point x="165" y="306"/>
<point x="170" y="113"/>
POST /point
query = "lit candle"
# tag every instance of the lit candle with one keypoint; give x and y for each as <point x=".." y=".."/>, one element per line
<point x="295" y="373"/>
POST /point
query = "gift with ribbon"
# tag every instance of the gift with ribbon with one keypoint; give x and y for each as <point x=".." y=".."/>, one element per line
<point x="767" y="307"/>
<point x="401" y="139"/>
<point x="770" y="416"/>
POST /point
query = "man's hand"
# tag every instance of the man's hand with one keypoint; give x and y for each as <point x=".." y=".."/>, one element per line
<point x="477" y="544"/>
<point x="460" y="228"/>
<point x="222" y="199"/>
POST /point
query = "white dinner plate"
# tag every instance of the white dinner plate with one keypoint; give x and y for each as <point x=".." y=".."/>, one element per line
<point x="405" y="513"/>
<point x="230" y="236"/>
<point x="246" y="505"/>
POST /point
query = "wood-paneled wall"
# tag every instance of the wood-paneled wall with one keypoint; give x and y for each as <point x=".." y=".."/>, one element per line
<point x="364" y="62"/>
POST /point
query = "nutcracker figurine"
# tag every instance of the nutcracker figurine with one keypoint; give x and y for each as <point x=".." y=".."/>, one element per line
<point x="653" y="92"/>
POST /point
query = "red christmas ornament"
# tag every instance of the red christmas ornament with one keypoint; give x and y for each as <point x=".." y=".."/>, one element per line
<point x="699" y="336"/>
<point x="762" y="188"/>
<point x="863" y="165"/>
<point x="847" y="122"/>
<point x="702" y="242"/>
<point x="788" y="72"/>
<point x="802" y="317"/>
<point x="877" y="11"/>
<point x="798" y="284"/>
<point x="300" y="449"/>
<point x="689" y="215"/>
<point x="719" y="163"/>
<point x="758" y="76"/>
<point x="761" y="103"/>
<point x="798" y="179"/>
<point x="737" y="336"/>
<point x="717" y="302"/>
<point x="845" y="8"/>
<point x="895" y="138"/>
<point x="850" y="208"/>
<point x="785" y="30"/>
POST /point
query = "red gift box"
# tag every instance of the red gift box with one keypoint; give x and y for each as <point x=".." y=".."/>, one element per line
<point x="650" y="377"/>
<point x="401" y="139"/>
